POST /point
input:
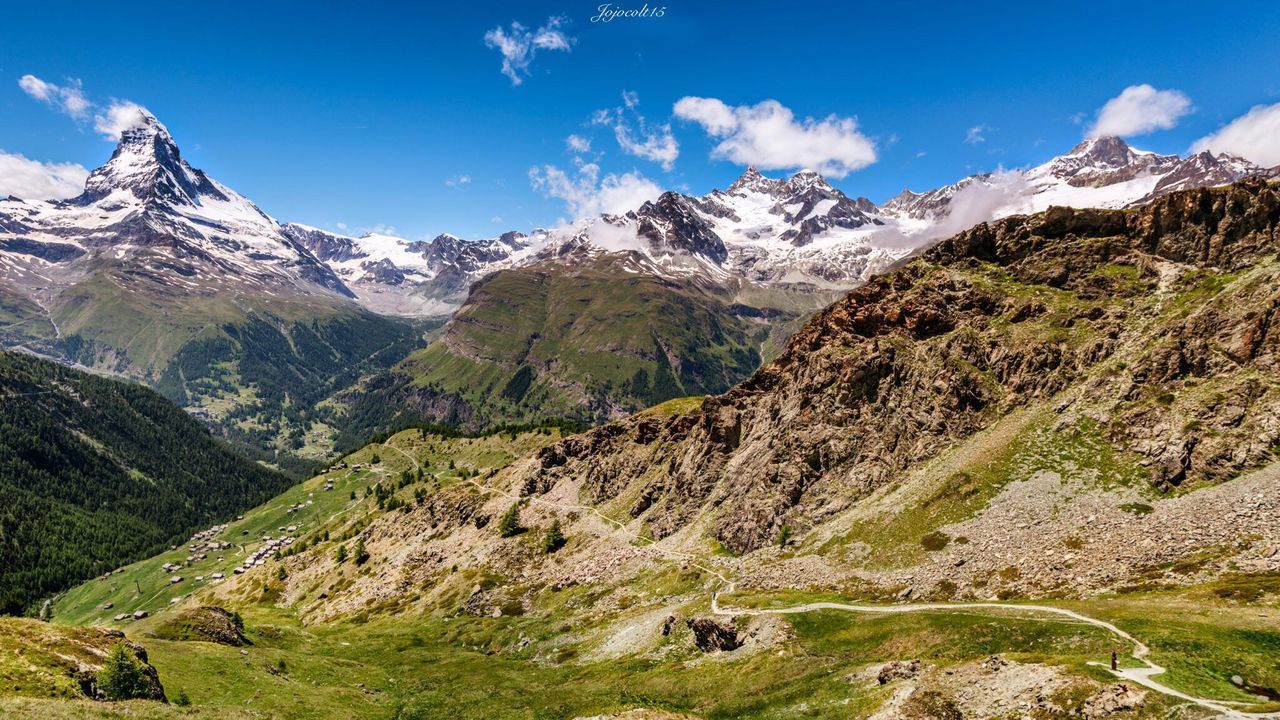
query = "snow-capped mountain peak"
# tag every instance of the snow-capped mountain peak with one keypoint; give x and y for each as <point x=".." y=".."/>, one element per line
<point x="1101" y="161"/>
<point x="148" y="165"/>
<point x="149" y="212"/>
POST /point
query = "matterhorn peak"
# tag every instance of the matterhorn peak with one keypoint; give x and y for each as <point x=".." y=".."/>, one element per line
<point x="146" y="164"/>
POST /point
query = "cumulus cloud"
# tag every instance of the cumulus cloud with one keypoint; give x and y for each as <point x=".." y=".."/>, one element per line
<point x="519" y="45"/>
<point x="638" y="137"/>
<point x="577" y="144"/>
<point x="68" y="98"/>
<point x="1138" y="110"/>
<point x="585" y="193"/>
<point x="35" y="180"/>
<point x="769" y="136"/>
<point x="1254" y="136"/>
<point x="976" y="134"/>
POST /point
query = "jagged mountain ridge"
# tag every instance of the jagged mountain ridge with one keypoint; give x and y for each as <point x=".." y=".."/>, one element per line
<point x="775" y="231"/>
<point x="1103" y="172"/>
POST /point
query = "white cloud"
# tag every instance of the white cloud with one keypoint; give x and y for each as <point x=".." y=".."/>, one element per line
<point x="768" y="136"/>
<point x="35" y="180"/>
<point x="1254" y="136"/>
<point x="586" y="194"/>
<point x="653" y="143"/>
<point x="120" y="115"/>
<point x="1140" y="109"/>
<point x="68" y="99"/>
<point x="976" y="134"/>
<point x="578" y="144"/>
<point x="519" y="45"/>
<point x="458" y="180"/>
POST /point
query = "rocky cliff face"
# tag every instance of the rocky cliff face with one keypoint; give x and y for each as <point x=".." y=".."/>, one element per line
<point x="1159" y="324"/>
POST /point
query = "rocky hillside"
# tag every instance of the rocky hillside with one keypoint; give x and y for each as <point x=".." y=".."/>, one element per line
<point x="1156" y="325"/>
<point x="1066" y="403"/>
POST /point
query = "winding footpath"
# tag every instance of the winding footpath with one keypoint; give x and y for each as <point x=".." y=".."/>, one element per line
<point x="1141" y="675"/>
<point x="1141" y="652"/>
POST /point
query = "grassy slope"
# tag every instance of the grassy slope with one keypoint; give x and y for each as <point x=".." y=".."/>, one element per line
<point x="585" y="334"/>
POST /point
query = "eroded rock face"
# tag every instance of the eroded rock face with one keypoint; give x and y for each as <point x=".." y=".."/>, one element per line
<point x="714" y="635"/>
<point x="996" y="318"/>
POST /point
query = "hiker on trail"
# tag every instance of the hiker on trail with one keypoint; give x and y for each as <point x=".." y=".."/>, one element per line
<point x="1115" y="665"/>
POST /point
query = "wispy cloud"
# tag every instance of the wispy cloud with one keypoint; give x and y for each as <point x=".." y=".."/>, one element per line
<point x="577" y="144"/>
<point x="1140" y="109"/>
<point x="519" y="45"/>
<point x="110" y="120"/>
<point x="35" y="180"/>
<point x="638" y="137"/>
<point x="67" y="98"/>
<point x="1254" y="136"/>
<point x="769" y="136"/>
<point x="585" y="193"/>
<point x="976" y="134"/>
<point x="458" y="180"/>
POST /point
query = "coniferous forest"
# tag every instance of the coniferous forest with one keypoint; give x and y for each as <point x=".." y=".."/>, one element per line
<point x="96" y="472"/>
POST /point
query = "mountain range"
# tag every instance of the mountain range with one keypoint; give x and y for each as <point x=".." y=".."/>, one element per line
<point x="285" y="337"/>
<point x="797" y="231"/>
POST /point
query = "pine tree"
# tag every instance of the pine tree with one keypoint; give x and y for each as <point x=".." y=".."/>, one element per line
<point x="554" y="539"/>
<point x="362" y="555"/>
<point x="122" y="676"/>
<point x="342" y="553"/>
<point x="509" y="525"/>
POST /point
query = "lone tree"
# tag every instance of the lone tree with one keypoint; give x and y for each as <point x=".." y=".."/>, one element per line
<point x="509" y="525"/>
<point x="122" y="676"/>
<point x="342" y="553"/>
<point x="362" y="555"/>
<point x="554" y="539"/>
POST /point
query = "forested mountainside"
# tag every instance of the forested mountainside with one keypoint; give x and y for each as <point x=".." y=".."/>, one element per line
<point x="96" y="472"/>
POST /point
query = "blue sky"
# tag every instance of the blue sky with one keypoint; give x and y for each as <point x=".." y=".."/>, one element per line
<point x="339" y="115"/>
